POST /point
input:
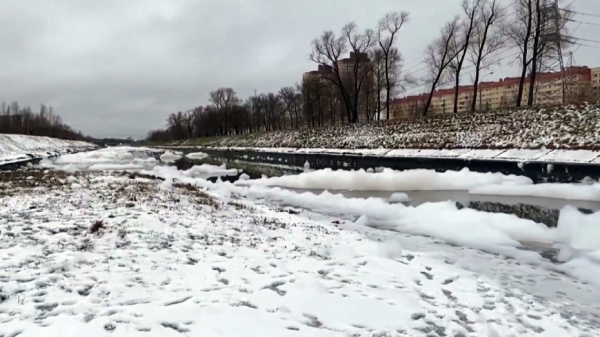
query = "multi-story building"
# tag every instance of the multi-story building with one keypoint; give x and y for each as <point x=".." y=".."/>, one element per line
<point x="323" y="101"/>
<point x="596" y="83"/>
<point x="550" y="89"/>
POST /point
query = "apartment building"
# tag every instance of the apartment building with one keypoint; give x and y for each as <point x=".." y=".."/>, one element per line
<point x="596" y="83"/>
<point x="326" y="104"/>
<point x="550" y="89"/>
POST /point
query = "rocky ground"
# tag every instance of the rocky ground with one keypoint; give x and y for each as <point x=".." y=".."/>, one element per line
<point x="568" y="127"/>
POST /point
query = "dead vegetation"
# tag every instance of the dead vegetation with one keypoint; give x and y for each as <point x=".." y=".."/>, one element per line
<point x="199" y="196"/>
<point x="238" y="205"/>
<point x="13" y="181"/>
<point x="97" y="226"/>
<point x="134" y="175"/>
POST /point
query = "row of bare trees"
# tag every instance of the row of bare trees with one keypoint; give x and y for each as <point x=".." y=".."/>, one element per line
<point x="537" y="28"/>
<point x="17" y="120"/>
<point x="228" y="114"/>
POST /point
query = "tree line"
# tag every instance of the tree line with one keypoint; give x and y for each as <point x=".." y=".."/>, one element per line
<point x="360" y="73"/>
<point x="45" y="122"/>
<point x="536" y="28"/>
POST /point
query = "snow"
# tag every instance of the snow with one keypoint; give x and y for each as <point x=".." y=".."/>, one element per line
<point x="579" y="242"/>
<point x="196" y="155"/>
<point x="577" y="156"/>
<point x="522" y="154"/>
<point x="577" y="191"/>
<point x="481" y="154"/>
<point x="173" y="261"/>
<point x="111" y="158"/>
<point x="398" y="197"/>
<point x="18" y="148"/>
<point x="389" y="180"/>
<point x="170" y="156"/>
<point x="206" y="170"/>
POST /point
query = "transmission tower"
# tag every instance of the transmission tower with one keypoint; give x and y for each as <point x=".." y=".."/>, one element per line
<point x="551" y="26"/>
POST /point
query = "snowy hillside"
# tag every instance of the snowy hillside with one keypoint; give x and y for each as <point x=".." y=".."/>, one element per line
<point x="570" y="127"/>
<point x="17" y="148"/>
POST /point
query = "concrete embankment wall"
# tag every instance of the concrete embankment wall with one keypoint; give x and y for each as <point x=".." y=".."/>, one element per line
<point x="539" y="171"/>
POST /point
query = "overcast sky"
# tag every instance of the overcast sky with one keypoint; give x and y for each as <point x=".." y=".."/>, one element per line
<point x="118" y="68"/>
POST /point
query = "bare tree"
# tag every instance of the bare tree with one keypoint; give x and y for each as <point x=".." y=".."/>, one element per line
<point x="389" y="26"/>
<point x="314" y="94"/>
<point x="462" y="42"/>
<point x="487" y="41"/>
<point x="440" y="54"/>
<point x="539" y="30"/>
<point x="327" y="51"/>
<point x="519" y="30"/>
<point x="347" y="75"/>
<point x="358" y="67"/>
<point x="288" y="95"/>
<point x="223" y="99"/>
<point x="379" y="73"/>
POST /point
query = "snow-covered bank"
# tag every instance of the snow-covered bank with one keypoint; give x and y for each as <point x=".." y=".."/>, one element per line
<point x="109" y="254"/>
<point x="130" y="159"/>
<point x="566" y="127"/>
<point x="19" y="148"/>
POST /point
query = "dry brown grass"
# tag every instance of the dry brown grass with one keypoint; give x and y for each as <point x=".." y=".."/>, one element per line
<point x="12" y="182"/>
<point x="238" y="205"/>
<point x="199" y="196"/>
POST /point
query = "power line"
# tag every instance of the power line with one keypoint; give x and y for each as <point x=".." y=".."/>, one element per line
<point x="582" y="39"/>
<point x="411" y="90"/>
<point x="580" y="13"/>
<point x="584" y="22"/>
<point x="587" y="45"/>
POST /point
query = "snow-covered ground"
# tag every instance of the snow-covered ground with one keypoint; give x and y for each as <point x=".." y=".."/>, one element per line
<point x="18" y="148"/>
<point x="159" y="252"/>
<point x="567" y="127"/>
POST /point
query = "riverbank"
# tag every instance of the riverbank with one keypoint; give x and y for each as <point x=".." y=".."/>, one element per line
<point x="567" y="166"/>
<point x="18" y="149"/>
<point x="567" y="127"/>
<point x="158" y="251"/>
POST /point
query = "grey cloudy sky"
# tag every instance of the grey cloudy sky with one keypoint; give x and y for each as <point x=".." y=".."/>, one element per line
<point x="118" y="68"/>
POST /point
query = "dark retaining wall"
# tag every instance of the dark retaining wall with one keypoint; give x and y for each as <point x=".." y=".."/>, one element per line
<point x="537" y="171"/>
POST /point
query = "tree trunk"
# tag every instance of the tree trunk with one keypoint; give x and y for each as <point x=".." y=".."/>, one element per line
<point x="535" y="56"/>
<point x="525" y="52"/>
<point x="478" y="65"/>
<point x="456" y="84"/>
<point x="430" y="98"/>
